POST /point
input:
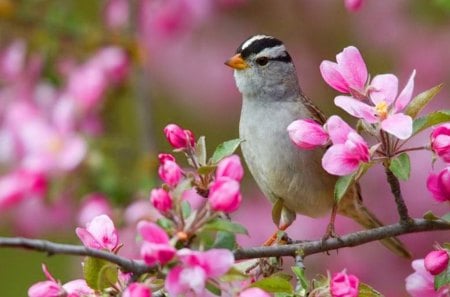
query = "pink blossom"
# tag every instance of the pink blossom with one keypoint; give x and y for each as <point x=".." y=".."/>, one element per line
<point x="353" y="5"/>
<point x="440" y="141"/>
<point x="195" y="269"/>
<point x="169" y="171"/>
<point x="161" y="200"/>
<point x="137" y="290"/>
<point x="436" y="261"/>
<point x="20" y="184"/>
<point x="348" y="151"/>
<point x="116" y="13"/>
<point x="12" y="60"/>
<point x="99" y="233"/>
<point x="254" y="292"/>
<point x="113" y="61"/>
<point x="349" y="75"/>
<point x="344" y="285"/>
<point x="307" y="134"/>
<point x="439" y="185"/>
<point x="224" y="195"/>
<point x="231" y="167"/>
<point x="52" y="287"/>
<point x="388" y="107"/>
<point x="156" y="247"/>
<point x="421" y="282"/>
<point x="195" y="200"/>
<point x="178" y="137"/>
<point x="93" y="205"/>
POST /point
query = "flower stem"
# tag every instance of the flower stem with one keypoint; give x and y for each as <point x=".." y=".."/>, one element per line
<point x="396" y="191"/>
<point x="418" y="148"/>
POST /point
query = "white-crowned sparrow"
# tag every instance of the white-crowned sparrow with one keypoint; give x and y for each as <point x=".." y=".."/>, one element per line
<point x="289" y="177"/>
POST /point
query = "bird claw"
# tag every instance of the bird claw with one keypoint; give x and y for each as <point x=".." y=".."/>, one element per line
<point x="330" y="233"/>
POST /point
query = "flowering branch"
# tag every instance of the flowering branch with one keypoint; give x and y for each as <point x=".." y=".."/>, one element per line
<point x="304" y="248"/>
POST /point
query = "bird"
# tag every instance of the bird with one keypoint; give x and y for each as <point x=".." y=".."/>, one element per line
<point x="292" y="179"/>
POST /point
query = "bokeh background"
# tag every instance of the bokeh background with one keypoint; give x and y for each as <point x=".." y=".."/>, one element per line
<point x="87" y="86"/>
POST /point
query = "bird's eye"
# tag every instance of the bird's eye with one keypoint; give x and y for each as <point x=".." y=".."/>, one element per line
<point x="262" y="61"/>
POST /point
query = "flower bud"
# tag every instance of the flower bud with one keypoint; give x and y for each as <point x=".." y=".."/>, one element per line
<point x="161" y="200"/>
<point x="177" y="137"/>
<point x="440" y="141"/>
<point x="230" y="167"/>
<point x="307" y="134"/>
<point x="436" y="261"/>
<point x="137" y="290"/>
<point x="344" y="285"/>
<point x="439" y="185"/>
<point x="224" y="195"/>
<point x="169" y="171"/>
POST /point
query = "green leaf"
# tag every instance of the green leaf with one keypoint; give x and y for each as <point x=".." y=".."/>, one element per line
<point x="185" y="209"/>
<point x="276" y="211"/>
<point x="343" y="184"/>
<point x="207" y="169"/>
<point x="421" y="100"/>
<point x="225" y="149"/>
<point x="200" y="150"/>
<point x="165" y="223"/>
<point x="274" y="284"/>
<point x="365" y="290"/>
<point x="99" y="274"/>
<point x="430" y="216"/>
<point x="213" y="288"/>
<point x="301" y="278"/>
<point x="442" y="279"/>
<point x="401" y="166"/>
<point x="225" y="225"/>
<point x="430" y="119"/>
<point x="232" y="275"/>
<point x="225" y="240"/>
<point x="446" y="217"/>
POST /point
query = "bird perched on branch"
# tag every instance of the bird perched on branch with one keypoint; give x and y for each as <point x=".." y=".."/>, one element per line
<point x="292" y="179"/>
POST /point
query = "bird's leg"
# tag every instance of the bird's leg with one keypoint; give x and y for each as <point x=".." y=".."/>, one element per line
<point x="271" y="240"/>
<point x="330" y="228"/>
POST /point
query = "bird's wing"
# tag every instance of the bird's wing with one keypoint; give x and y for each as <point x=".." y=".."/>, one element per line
<point x="316" y="113"/>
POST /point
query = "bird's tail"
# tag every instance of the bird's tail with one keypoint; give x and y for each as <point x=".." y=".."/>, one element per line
<point x="354" y="209"/>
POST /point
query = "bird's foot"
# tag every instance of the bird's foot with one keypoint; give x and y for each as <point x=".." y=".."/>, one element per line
<point x="279" y="236"/>
<point x="330" y="233"/>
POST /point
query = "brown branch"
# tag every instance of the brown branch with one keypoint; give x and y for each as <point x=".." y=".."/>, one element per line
<point x="396" y="191"/>
<point x="349" y="240"/>
<point x="304" y="248"/>
<point x="52" y="248"/>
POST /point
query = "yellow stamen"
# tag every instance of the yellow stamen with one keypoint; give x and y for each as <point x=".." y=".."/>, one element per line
<point x="382" y="109"/>
<point x="55" y="144"/>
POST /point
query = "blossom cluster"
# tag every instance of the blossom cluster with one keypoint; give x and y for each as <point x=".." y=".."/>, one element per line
<point x="439" y="184"/>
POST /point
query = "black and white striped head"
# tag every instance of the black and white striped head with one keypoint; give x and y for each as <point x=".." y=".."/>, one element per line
<point x="262" y="64"/>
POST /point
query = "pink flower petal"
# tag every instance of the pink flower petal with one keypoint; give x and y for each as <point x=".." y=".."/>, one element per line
<point x="353" y="5"/>
<point x="104" y="232"/>
<point x="45" y="289"/>
<point x="78" y="287"/>
<point x="356" y="108"/>
<point x="217" y="261"/>
<point x="338" y="161"/>
<point x="352" y="68"/>
<point x="152" y="233"/>
<point x="333" y="77"/>
<point x="87" y="238"/>
<point x="405" y="96"/>
<point x="399" y="125"/>
<point x="384" y="88"/>
<point x="338" y="129"/>
<point x="307" y="134"/>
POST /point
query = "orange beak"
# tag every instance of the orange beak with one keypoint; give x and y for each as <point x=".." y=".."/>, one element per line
<point x="236" y="62"/>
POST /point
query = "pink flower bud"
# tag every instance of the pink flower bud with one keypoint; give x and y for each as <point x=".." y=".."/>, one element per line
<point x="224" y="195"/>
<point x="307" y="134"/>
<point x="169" y="171"/>
<point x="178" y="137"/>
<point x="254" y="292"/>
<point x="436" y="261"/>
<point x="344" y="285"/>
<point x="99" y="233"/>
<point x="137" y="290"/>
<point x="440" y="141"/>
<point x="439" y="185"/>
<point x="46" y="289"/>
<point x="353" y="5"/>
<point x="156" y="247"/>
<point x="161" y="200"/>
<point x="231" y="167"/>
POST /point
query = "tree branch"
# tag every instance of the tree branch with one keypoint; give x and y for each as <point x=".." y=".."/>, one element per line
<point x="303" y="248"/>
<point x="52" y="248"/>
<point x="396" y="191"/>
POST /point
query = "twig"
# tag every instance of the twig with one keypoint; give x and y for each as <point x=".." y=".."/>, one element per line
<point x="396" y="191"/>
<point x="349" y="240"/>
<point x="52" y="248"/>
<point x="304" y="249"/>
